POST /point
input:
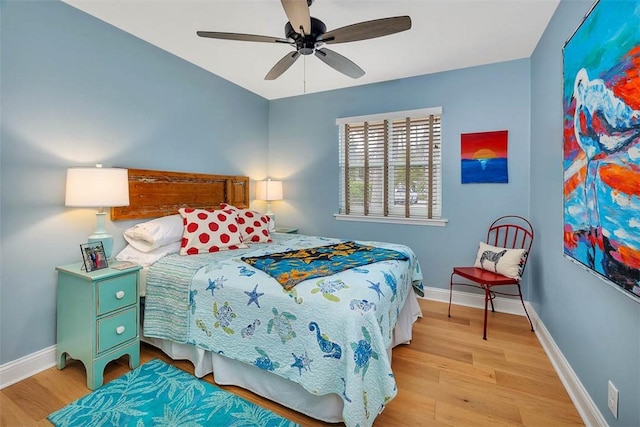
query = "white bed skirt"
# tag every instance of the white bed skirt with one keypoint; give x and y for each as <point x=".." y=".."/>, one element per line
<point x="227" y="371"/>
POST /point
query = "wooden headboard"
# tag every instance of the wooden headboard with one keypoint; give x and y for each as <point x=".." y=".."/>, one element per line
<point x="154" y="193"/>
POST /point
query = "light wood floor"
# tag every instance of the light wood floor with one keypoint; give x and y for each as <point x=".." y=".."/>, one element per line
<point x="447" y="376"/>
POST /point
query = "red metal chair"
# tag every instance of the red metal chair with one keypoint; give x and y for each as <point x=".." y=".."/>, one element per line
<point x="510" y="232"/>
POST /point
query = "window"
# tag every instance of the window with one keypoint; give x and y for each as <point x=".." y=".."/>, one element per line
<point x="390" y="166"/>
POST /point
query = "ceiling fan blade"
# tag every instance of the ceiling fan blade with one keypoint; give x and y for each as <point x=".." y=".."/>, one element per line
<point x="367" y="30"/>
<point x="241" y="37"/>
<point x="298" y="13"/>
<point x="282" y="65"/>
<point x="339" y="62"/>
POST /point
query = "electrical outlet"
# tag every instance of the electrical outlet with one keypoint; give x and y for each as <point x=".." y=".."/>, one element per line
<point x="612" y="399"/>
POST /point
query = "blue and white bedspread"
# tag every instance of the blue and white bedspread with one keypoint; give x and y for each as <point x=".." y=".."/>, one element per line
<point x="328" y="334"/>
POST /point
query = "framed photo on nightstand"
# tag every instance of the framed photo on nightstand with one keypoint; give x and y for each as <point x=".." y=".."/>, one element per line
<point x="93" y="256"/>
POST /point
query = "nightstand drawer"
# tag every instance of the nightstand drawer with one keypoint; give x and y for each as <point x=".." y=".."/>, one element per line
<point x="97" y="318"/>
<point x="114" y="330"/>
<point x="116" y="293"/>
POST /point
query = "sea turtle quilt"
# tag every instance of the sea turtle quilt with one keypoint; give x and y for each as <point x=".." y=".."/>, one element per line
<point x="329" y="334"/>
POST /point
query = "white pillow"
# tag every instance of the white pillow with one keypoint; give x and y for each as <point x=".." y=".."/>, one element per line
<point x="508" y="262"/>
<point x="145" y="259"/>
<point x="153" y="234"/>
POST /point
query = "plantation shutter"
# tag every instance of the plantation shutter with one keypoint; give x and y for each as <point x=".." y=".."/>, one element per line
<point x="390" y="165"/>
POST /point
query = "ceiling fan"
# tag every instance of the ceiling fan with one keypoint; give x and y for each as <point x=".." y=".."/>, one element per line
<point x="307" y="35"/>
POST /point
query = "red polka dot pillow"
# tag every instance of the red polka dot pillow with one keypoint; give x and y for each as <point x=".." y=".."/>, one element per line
<point x="254" y="226"/>
<point x="207" y="230"/>
<point x="227" y="206"/>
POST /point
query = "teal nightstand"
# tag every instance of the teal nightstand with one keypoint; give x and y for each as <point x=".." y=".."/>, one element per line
<point x="98" y="318"/>
<point x="288" y="230"/>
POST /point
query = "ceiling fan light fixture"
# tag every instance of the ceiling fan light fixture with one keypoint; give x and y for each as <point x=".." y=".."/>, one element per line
<point x="312" y="34"/>
<point x="305" y="44"/>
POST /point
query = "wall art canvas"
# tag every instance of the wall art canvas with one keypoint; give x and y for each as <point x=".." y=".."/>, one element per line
<point x="484" y="157"/>
<point x="601" y="150"/>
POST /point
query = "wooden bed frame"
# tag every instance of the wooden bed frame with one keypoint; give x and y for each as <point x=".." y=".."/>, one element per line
<point x="155" y="193"/>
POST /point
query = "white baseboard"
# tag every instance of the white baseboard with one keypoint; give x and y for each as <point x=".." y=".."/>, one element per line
<point x="17" y="370"/>
<point x="503" y="305"/>
<point x="586" y="407"/>
<point x="591" y="415"/>
<point x="31" y="364"/>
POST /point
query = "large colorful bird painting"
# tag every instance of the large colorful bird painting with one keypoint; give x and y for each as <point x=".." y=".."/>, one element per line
<point x="601" y="103"/>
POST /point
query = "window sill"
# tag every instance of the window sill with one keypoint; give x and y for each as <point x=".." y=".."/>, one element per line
<point x="392" y="220"/>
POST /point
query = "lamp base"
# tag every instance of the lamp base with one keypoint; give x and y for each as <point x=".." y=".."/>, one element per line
<point x="107" y="242"/>
<point x="272" y="217"/>
<point x="101" y="235"/>
<point x="272" y="222"/>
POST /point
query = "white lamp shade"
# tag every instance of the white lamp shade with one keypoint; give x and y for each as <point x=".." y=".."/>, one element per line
<point x="97" y="187"/>
<point x="269" y="190"/>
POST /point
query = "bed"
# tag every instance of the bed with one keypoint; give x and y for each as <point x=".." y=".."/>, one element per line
<point x="319" y="343"/>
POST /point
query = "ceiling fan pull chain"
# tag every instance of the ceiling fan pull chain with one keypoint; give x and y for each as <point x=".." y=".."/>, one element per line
<point x="304" y="75"/>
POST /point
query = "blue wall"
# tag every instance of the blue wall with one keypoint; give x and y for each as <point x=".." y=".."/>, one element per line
<point x="303" y="151"/>
<point x="76" y="91"/>
<point x="594" y="324"/>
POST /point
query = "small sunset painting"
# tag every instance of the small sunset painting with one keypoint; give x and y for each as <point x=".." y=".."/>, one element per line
<point x="484" y="157"/>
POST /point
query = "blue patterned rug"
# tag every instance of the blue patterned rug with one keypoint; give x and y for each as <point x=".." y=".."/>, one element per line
<point x="158" y="394"/>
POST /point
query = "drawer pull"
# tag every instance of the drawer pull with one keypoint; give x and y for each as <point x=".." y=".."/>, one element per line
<point x="120" y="294"/>
<point x="120" y="330"/>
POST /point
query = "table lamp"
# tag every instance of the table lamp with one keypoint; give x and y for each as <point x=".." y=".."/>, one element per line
<point x="98" y="188"/>
<point x="269" y="190"/>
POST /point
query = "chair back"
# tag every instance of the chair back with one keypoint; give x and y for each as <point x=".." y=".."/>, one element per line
<point x="512" y="232"/>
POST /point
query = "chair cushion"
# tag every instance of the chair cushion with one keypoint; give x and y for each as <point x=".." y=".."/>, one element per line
<point x="508" y="262"/>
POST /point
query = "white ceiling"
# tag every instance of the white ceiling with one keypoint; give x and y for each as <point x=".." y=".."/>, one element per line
<point x="445" y="35"/>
